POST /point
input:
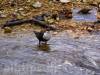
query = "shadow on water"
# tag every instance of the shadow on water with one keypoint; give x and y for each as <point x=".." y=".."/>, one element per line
<point x="43" y="47"/>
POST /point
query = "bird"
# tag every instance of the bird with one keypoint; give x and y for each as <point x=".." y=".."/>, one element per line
<point x="84" y="11"/>
<point x="43" y="35"/>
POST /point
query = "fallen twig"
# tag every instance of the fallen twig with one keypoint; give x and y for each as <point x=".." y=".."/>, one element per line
<point x="21" y="21"/>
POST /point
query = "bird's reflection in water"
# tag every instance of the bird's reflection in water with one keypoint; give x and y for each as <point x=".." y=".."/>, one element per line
<point x="44" y="47"/>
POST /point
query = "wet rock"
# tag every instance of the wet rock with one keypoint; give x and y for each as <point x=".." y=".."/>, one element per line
<point x="37" y="4"/>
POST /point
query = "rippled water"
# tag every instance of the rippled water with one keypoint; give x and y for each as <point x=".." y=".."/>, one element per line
<point x="63" y="55"/>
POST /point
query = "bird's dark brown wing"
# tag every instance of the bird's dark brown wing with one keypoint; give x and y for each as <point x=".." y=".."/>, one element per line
<point x="39" y="35"/>
<point x="84" y="11"/>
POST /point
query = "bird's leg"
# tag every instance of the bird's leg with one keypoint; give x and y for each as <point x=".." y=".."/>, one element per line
<point x="39" y="43"/>
<point x="45" y="42"/>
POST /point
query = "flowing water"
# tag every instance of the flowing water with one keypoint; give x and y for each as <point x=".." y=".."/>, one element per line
<point x="63" y="55"/>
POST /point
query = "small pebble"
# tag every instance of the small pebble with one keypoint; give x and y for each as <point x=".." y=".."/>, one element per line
<point x="37" y="4"/>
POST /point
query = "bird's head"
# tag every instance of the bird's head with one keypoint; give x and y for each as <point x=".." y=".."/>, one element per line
<point x="48" y="29"/>
<point x="45" y="29"/>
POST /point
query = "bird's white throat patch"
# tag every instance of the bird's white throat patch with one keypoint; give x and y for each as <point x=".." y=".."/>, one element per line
<point x="47" y="35"/>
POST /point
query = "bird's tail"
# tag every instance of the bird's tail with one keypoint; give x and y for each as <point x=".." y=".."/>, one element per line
<point x="36" y="33"/>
